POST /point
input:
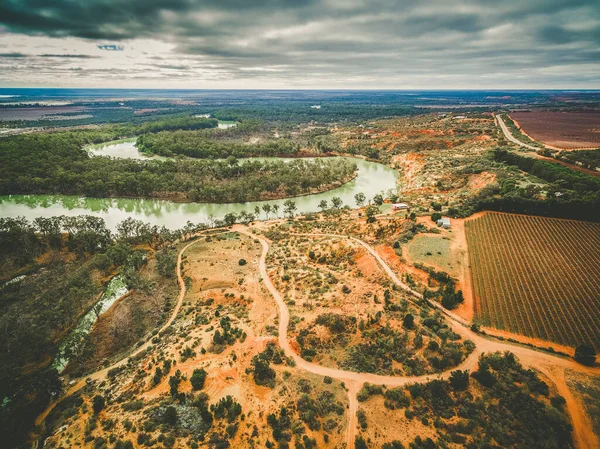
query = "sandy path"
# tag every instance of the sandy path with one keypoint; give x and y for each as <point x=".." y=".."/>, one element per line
<point x="552" y="366"/>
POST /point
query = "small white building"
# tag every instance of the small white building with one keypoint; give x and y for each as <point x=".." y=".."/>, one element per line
<point x="316" y="106"/>
<point x="444" y="222"/>
<point x="400" y="206"/>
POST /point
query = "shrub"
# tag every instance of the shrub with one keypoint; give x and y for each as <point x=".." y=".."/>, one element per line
<point x="198" y="378"/>
<point x="393" y="445"/>
<point x="367" y="391"/>
<point x="242" y="262"/>
<point x="120" y="444"/>
<point x="170" y="416"/>
<point x="459" y="379"/>
<point x="585" y="354"/>
<point x="362" y="419"/>
<point x="360" y="443"/>
<point x="98" y="403"/>
<point x="409" y="321"/>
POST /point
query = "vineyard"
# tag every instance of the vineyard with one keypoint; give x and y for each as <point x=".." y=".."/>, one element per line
<point x="537" y="276"/>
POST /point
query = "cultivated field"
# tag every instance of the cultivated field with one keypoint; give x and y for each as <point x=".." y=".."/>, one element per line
<point x="566" y="130"/>
<point x="537" y="276"/>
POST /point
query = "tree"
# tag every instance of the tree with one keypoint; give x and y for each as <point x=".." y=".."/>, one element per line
<point x="267" y="210"/>
<point x="174" y="382"/>
<point x="98" y="403"/>
<point x="459" y="379"/>
<point x="263" y="373"/>
<point x="370" y="212"/>
<point x="323" y="205"/>
<point x="378" y="199"/>
<point x="337" y="202"/>
<point x="276" y="210"/>
<point x="289" y="208"/>
<point x="230" y="219"/>
<point x="585" y="354"/>
<point x="198" y="378"/>
<point x="246" y="217"/>
<point x="436" y="216"/>
<point x="360" y="443"/>
<point x="360" y="199"/>
<point x="257" y="211"/>
<point x="170" y="416"/>
<point x="409" y="321"/>
<point x="166" y="262"/>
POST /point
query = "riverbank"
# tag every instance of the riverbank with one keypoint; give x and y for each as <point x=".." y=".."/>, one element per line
<point x="371" y="179"/>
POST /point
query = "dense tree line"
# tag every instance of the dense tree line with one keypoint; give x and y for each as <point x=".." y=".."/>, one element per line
<point x="549" y="171"/>
<point x="198" y="145"/>
<point x="55" y="163"/>
<point x="569" y="193"/>
<point x="589" y="159"/>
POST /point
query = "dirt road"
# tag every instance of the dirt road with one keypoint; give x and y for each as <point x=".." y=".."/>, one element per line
<point x="534" y="153"/>
<point x="552" y="366"/>
<point x="512" y="138"/>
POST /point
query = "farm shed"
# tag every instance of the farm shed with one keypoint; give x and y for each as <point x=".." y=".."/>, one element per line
<point x="444" y="222"/>
<point x="400" y="206"/>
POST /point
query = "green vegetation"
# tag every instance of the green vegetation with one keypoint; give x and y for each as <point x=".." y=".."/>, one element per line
<point x="570" y="194"/>
<point x="261" y="370"/>
<point x="207" y="145"/>
<point x="55" y="163"/>
<point x="585" y="354"/>
<point x="38" y="311"/>
<point x="506" y="406"/>
<point x="198" y="378"/>
<point x="517" y="133"/>
<point x="589" y="159"/>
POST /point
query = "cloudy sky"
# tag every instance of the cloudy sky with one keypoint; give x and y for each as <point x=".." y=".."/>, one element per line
<point x="375" y="44"/>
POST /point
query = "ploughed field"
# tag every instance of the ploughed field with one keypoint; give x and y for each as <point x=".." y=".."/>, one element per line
<point x="566" y="130"/>
<point x="537" y="276"/>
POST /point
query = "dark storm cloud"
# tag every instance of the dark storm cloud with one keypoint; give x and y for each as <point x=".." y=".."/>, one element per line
<point x="68" y="56"/>
<point x="334" y="39"/>
<point x="12" y="55"/>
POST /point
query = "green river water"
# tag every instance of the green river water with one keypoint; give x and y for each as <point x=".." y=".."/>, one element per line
<point x="372" y="178"/>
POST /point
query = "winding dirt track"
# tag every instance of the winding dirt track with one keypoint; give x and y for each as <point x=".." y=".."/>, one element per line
<point x="553" y="367"/>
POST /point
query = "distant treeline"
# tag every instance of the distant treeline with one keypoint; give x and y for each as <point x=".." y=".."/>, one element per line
<point x="201" y="145"/>
<point x="589" y="159"/>
<point x="56" y="163"/>
<point x="569" y="194"/>
<point x="551" y="172"/>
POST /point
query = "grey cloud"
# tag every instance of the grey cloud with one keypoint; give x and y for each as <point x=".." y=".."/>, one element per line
<point x="70" y="56"/>
<point x="331" y="40"/>
<point x="12" y="55"/>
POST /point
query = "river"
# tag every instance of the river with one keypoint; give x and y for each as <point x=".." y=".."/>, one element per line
<point x="372" y="178"/>
<point x="74" y="341"/>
